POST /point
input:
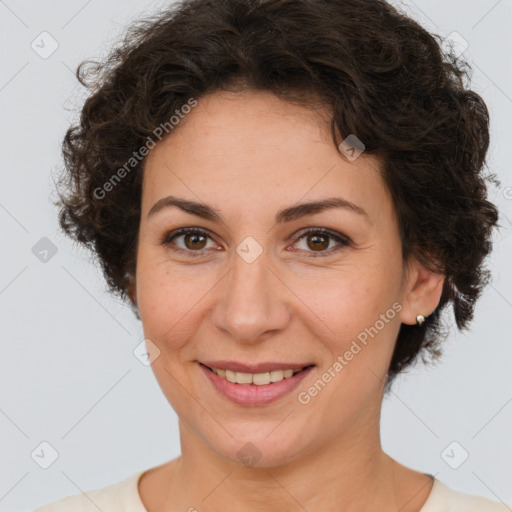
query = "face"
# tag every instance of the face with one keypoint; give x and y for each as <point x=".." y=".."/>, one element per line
<point x="323" y="288"/>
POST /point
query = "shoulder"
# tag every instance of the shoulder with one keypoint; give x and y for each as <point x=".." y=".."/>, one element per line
<point x="121" y="496"/>
<point x="444" y="499"/>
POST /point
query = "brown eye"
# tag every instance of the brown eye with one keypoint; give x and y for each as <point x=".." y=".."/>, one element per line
<point x="320" y="242"/>
<point x="317" y="242"/>
<point x="194" y="241"/>
<point x="191" y="241"/>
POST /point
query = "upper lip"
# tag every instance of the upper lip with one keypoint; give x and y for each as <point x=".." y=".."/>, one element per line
<point x="235" y="366"/>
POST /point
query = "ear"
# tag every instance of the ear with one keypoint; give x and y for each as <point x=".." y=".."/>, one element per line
<point x="422" y="292"/>
<point x="131" y="288"/>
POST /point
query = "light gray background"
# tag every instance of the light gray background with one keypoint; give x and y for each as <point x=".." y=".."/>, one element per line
<point x="68" y="375"/>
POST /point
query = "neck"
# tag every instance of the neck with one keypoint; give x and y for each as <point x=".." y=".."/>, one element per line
<point x="348" y="473"/>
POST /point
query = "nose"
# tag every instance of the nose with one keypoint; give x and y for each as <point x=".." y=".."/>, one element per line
<point x="253" y="301"/>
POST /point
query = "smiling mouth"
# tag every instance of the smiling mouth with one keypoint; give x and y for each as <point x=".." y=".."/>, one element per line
<point x="257" y="379"/>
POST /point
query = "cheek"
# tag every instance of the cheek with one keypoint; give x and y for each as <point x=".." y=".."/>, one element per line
<point x="363" y="324"/>
<point x="351" y="299"/>
<point x="347" y="300"/>
<point x="170" y="301"/>
<point x="360" y="309"/>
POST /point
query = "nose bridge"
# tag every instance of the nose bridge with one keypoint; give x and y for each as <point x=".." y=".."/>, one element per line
<point x="251" y="302"/>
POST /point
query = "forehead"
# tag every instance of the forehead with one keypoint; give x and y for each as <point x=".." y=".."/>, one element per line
<point x="252" y="148"/>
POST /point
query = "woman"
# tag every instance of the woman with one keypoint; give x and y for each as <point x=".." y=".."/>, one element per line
<point x="289" y="193"/>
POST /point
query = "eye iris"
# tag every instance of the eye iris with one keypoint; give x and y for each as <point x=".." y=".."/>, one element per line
<point x="320" y="245"/>
<point x="195" y="237"/>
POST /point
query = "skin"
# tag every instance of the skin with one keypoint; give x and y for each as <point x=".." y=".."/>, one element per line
<point x="248" y="155"/>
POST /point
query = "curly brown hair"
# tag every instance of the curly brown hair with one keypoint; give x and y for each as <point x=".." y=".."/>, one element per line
<point x="385" y="79"/>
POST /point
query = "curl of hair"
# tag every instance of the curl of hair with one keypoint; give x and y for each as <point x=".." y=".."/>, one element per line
<point x="386" y="79"/>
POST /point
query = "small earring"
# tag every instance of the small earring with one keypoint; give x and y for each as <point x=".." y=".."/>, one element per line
<point x="419" y="320"/>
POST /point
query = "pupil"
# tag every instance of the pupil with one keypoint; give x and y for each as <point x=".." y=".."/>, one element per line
<point x="194" y="238"/>
<point x="315" y="239"/>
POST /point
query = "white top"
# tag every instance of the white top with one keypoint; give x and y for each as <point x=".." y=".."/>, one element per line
<point x="124" y="497"/>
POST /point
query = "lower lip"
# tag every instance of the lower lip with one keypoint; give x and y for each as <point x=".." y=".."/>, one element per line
<point x="250" y="394"/>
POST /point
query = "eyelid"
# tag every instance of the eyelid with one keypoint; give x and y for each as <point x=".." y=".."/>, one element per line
<point x="325" y="231"/>
<point x="340" y="238"/>
<point x="169" y="236"/>
<point x="343" y="240"/>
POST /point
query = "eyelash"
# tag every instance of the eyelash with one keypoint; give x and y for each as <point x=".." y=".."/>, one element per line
<point x="342" y="240"/>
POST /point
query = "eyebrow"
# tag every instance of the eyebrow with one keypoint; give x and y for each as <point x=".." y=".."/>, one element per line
<point x="286" y="215"/>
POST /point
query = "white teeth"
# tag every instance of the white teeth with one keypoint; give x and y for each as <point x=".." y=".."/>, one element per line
<point x="231" y="376"/>
<point x="244" y="378"/>
<point x="259" y="379"/>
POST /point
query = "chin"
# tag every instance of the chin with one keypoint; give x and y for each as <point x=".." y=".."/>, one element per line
<point x="258" y="449"/>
